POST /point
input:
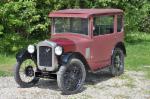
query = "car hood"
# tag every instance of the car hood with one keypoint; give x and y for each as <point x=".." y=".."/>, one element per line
<point x="69" y="43"/>
<point x="62" y="41"/>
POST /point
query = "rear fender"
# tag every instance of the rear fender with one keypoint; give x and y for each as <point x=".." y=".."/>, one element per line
<point x="121" y="45"/>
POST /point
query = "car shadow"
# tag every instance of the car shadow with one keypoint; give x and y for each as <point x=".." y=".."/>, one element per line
<point x="48" y="84"/>
<point x="100" y="76"/>
<point x="52" y="85"/>
<point x="91" y="79"/>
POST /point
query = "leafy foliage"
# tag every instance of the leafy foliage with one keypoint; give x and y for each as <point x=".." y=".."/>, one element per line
<point x="26" y="20"/>
<point x="145" y="24"/>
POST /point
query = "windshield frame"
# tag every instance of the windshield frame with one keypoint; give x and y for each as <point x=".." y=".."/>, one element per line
<point x="53" y="27"/>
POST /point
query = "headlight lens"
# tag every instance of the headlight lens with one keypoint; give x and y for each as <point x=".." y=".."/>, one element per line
<point x="31" y="49"/>
<point x="58" y="50"/>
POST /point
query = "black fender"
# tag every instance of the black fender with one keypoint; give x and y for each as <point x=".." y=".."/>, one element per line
<point x="121" y="45"/>
<point x="65" y="58"/>
<point x="23" y="54"/>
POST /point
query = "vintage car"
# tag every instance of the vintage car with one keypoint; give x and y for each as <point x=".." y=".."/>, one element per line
<point x="81" y="40"/>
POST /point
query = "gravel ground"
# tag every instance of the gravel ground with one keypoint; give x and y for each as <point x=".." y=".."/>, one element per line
<point x="130" y="85"/>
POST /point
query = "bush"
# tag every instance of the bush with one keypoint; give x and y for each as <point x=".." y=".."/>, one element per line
<point x="23" y="18"/>
<point x="145" y="25"/>
<point x="11" y="43"/>
<point x="27" y="20"/>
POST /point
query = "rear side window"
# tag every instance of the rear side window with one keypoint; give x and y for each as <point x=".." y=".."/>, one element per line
<point x="103" y="25"/>
<point x="119" y="23"/>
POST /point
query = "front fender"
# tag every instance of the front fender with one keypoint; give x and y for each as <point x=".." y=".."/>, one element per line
<point x="65" y="58"/>
<point x="23" y="54"/>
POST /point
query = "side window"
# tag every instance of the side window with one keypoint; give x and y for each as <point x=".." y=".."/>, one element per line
<point x="119" y="23"/>
<point x="76" y="25"/>
<point x="103" y="25"/>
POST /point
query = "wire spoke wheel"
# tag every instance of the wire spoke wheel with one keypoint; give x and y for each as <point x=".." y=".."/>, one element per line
<point x="117" y="67"/>
<point x="27" y="70"/>
<point x="117" y="62"/>
<point x="70" y="78"/>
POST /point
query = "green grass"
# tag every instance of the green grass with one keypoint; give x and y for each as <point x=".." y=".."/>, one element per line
<point x="138" y="55"/>
<point x="138" y="52"/>
<point x="6" y="64"/>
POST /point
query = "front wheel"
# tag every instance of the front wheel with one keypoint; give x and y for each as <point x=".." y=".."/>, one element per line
<point x="24" y="73"/>
<point x="117" y="66"/>
<point x="70" y="78"/>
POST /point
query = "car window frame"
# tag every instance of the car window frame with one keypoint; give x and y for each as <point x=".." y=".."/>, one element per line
<point x="53" y="27"/>
<point x="114" y="15"/>
<point x="122" y="23"/>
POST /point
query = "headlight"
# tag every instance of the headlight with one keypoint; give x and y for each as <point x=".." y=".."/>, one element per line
<point x="31" y="49"/>
<point x="58" y="50"/>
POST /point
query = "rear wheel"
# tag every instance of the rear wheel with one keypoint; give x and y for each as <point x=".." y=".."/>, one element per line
<point x="70" y="78"/>
<point x="117" y="66"/>
<point x="25" y="73"/>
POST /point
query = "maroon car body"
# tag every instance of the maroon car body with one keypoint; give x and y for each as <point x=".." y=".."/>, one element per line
<point x="81" y="40"/>
<point x="101" y="46"/>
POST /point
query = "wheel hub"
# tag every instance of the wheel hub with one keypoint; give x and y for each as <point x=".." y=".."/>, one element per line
<point x="29" y="71"/>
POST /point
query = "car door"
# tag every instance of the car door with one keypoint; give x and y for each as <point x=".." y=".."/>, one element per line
<point x="103" y="40"/>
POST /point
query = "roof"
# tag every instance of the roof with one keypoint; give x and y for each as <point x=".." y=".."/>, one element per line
<point x="83" y="13"/>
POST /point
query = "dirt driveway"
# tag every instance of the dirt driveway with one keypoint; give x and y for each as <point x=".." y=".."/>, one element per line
<point x="131" y="85"/>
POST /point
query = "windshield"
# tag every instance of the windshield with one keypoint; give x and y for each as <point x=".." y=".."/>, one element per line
<point x="71" y="25"/>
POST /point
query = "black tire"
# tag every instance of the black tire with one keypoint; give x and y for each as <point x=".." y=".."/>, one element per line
<point x="117" y="62"/>
<point x="76" y="76"/>
<point x="18" y="78"/>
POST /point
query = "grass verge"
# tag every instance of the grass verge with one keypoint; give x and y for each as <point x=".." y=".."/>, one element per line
<point x="7" y="63"/>
<point x="138" y="52"/>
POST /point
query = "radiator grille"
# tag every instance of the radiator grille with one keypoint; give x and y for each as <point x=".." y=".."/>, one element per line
<point x="45" y="56"/>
